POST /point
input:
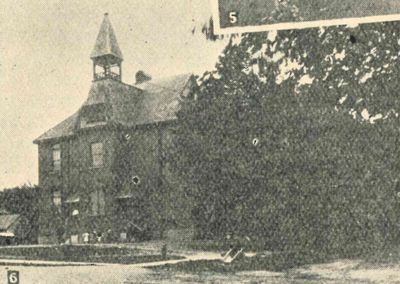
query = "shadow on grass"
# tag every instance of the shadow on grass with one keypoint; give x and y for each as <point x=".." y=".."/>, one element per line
<point x="385" y="257"/>
<point x="277" y="262"/>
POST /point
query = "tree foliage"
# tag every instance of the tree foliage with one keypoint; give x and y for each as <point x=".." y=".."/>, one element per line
<point x="293" y="139"/>
<point x="23" y="200"/>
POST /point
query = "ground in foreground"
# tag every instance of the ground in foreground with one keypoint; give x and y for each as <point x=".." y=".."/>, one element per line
<point x="342" y="271"/>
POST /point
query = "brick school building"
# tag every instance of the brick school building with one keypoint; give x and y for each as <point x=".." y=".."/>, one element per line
<point x="102" y="171"/>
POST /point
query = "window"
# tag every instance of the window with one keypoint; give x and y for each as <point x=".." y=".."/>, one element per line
<point x="97" y="154"/>
<point x="56" y="157"/>
<point x="96" y="117"/>
<point x="98" y="202"/>
<point x="57" y="200"/>
<point x="93" y="120"/>
<point x="93" y="115"/>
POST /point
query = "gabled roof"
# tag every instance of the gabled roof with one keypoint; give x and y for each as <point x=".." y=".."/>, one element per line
<point x="63" y="129"/>
<point x="6" y="221"/>
<point x="106" y="42"/>
<point x="161" y="98"/>
<point x="150" y="102"/>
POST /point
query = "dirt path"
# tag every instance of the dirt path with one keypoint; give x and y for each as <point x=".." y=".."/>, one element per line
<point x="341" y="271"/>
<point x="352" y="270"/>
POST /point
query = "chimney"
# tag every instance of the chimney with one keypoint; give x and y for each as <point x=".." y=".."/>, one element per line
<point x="141" y="77"/>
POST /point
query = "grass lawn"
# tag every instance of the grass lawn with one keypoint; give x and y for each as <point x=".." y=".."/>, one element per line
<point x="81" y="253"/>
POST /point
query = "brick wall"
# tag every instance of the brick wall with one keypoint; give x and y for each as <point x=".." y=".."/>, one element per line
<point x="158" y="202"/>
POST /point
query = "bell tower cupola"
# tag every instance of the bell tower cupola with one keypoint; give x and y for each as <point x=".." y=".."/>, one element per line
<point x="106" y="55"/>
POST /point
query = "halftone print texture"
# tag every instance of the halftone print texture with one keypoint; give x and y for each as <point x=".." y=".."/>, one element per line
<point x="167" y="153"/>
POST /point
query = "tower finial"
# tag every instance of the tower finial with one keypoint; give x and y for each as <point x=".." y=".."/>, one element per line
<point x="106" y="14"/>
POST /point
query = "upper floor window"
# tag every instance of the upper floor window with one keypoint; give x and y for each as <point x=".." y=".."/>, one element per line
<point x="98" y="202"/>
<point x="56" y="157"/>
<point x="97" y="154"/>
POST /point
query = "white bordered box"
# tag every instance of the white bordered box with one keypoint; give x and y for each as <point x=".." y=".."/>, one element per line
<point x="232" y="16"/>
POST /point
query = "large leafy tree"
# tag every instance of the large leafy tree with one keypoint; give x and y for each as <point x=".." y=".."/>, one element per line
<point x="294" y="139"/>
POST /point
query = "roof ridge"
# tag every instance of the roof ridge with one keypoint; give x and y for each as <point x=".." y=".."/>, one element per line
<point x="150" y="82"/>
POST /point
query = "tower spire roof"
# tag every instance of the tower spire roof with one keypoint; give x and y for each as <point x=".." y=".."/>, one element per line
<point x="106" y="42"/>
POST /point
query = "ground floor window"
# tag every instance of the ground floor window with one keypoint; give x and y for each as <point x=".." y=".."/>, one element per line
<point x="57" y="199"/>
<point x="97" y="199"/>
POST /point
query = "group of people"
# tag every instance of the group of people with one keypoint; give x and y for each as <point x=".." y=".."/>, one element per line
<point x="91" y="238"/>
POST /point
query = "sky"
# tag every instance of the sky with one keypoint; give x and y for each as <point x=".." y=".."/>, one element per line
<point x="46" y="72"/>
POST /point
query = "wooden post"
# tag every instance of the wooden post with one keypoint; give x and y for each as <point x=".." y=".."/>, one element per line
<point x="94" y="71"/>
<point x="120" y="71"/>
